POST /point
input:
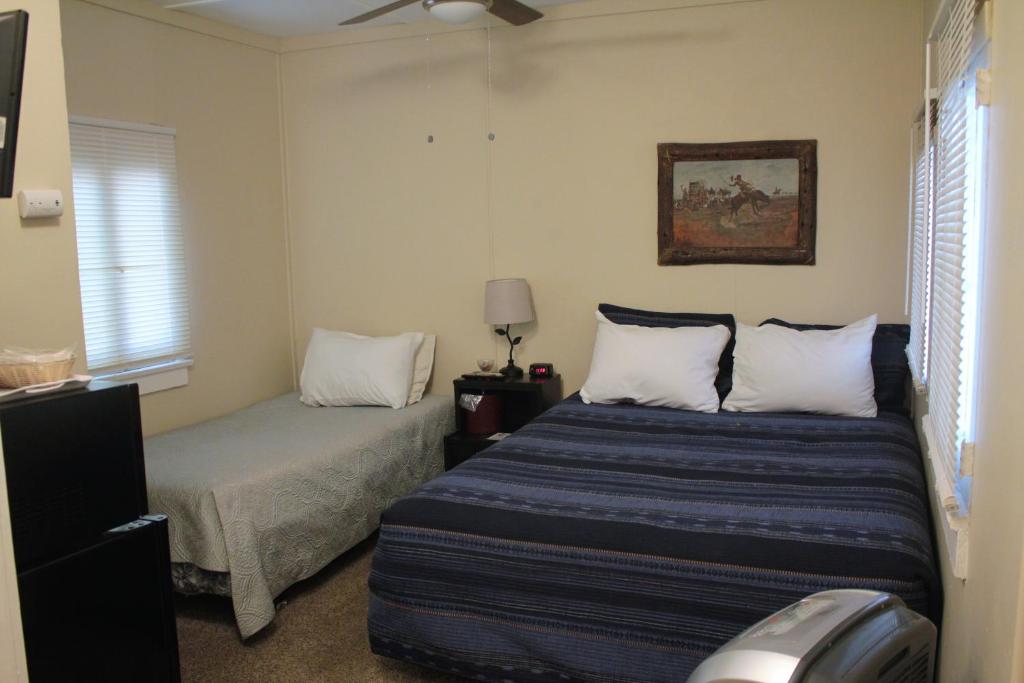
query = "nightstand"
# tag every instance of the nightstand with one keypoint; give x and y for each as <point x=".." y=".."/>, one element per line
<point x="521" y="400"/>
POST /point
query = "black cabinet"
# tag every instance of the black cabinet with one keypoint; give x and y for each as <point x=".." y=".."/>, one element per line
<point x="93" y="568"/>
<point x="104" y="613"/>
<point x="74" y="469"/>
<point x="522" y="400"/>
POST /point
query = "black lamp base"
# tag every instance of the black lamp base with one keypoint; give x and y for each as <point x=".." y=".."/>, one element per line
<point x="512" y="371"/>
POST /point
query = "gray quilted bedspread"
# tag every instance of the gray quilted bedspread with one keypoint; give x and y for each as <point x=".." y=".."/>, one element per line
<point x="274" y="492"/>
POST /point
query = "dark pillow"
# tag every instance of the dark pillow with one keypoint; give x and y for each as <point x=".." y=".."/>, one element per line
<point x="888" y="361"/>
<point x="634" y="316"/>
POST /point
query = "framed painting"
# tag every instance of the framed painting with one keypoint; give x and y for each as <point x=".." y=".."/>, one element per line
<point x="737" y="202"/>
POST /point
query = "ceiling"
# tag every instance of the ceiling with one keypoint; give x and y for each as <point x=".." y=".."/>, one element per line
<point x="302" y="17"/>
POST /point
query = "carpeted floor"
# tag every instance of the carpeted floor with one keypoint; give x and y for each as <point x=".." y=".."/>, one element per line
<point x="319" y="634"/>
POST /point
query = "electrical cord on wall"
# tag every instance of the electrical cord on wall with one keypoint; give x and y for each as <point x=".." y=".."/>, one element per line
<point x="489" y="176"/>
<point x="490" y="155"/>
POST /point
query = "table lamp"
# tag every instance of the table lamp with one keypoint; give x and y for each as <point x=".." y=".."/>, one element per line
<point x="507" y="302"/>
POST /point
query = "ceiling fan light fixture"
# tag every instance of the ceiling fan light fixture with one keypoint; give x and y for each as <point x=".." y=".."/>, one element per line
<point x="456" y="11"/>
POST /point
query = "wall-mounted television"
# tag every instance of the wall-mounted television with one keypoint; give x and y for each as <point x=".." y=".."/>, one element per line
<point x="13" y="31"/>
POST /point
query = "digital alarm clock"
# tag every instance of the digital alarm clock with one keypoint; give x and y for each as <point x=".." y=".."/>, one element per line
<point x="541" y="370"/>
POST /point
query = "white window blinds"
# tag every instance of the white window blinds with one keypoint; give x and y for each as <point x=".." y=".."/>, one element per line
<point x="945" y="324"/>
<point x="131" y="257"/>
<point x="920" y="250"/>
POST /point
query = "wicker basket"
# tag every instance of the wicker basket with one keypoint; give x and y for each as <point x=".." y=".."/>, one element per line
<point x="17" y="375"/>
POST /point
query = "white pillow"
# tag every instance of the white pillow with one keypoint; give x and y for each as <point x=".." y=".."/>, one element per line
<point x="777" y="368"/>
<point x="423" y="365"/>
<point x="655" y="366"/>
<point x="344" y="370"/>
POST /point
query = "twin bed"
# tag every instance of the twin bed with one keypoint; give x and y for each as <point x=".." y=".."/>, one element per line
<point x="267" y="496"/>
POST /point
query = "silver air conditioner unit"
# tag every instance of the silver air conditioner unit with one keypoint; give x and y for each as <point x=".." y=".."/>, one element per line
<point x="841" y="636"/>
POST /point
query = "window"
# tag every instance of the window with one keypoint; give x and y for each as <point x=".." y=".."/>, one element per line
<point x="131" y="255"/>
<point x="945" y="250"/>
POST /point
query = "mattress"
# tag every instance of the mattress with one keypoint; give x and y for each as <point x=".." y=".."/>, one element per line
<point x="272" y="493"/>
<point x="626" y="543"/>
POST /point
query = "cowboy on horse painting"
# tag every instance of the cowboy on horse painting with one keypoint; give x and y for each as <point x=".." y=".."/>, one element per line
<point x="719" y="203"/>
<point x="737" y="202"/>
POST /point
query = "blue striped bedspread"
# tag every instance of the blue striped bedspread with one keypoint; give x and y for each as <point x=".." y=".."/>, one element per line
<point x="625" y="543"/>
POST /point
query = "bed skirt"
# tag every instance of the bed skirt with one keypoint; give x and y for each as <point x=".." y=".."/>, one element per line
<point x="189" y="579"/>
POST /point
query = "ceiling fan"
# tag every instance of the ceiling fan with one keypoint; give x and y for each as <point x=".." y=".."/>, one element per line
<point x="459" y="11"/>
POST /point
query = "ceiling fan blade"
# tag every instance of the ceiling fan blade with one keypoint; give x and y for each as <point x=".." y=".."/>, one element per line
<point x="379" y="12"/>
<point x="515" y="13"/>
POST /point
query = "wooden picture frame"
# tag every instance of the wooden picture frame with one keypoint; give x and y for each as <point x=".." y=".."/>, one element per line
<point x="709" y="213"/>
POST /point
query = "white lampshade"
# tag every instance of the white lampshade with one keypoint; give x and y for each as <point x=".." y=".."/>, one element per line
<point x="507" y="302"/>
<point x="457" y="11"/>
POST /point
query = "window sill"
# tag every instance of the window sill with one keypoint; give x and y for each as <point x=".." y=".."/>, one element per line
<point x="154" y="378"/>
<point x="954" y="524"/>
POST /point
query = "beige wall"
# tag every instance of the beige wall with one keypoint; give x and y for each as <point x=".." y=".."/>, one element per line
<point x="39" y="275"/>
<point x="931" y="9"/>
<point x="222" y="97"/>
<point x="40" y="306"/>
<point x="391" y="233"/>
<point x="984" y="624"/>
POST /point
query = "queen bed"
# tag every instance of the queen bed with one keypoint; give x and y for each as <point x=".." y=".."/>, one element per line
<point x="267" y="496"/>
<point x="627" y="543"/>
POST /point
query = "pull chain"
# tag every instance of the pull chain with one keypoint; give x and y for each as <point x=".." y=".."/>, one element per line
<point x="490" y="156"/>
<point x="430" y="87"/>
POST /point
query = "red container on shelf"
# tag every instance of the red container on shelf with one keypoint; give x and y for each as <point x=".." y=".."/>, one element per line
<point x="486" y="419"/>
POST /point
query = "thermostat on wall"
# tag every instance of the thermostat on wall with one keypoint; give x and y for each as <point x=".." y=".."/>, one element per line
<point x="40" y="203"/>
